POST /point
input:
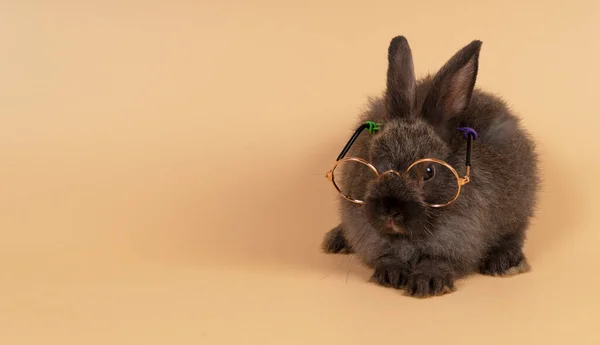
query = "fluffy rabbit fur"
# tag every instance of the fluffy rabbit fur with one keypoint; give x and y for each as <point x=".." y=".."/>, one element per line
<point x="420" y="249"/>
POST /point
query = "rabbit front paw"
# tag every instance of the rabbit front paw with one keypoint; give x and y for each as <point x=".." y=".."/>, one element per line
<point x="429" y="279"/>
<point x="391" y="275"/>
<point x="504" y="263"/>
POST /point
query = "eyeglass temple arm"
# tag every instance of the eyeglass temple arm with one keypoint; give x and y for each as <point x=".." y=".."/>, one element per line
<point x="471" y="135"/>
<point x="470" y="138"/>
<point x="372" y="127"/>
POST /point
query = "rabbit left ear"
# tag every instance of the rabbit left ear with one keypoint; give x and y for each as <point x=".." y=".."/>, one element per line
<point x="401" y="83"/>
<point x="453" y="85"/>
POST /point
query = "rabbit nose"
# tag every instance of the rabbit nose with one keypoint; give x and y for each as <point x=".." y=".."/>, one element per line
<point x="392" y="206"/>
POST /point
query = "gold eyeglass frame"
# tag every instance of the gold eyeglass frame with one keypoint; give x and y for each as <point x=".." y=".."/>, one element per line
<point x="461" y="181"/>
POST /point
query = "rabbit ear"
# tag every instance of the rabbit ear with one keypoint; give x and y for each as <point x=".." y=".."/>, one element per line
<point x="452" y="87"/>
<point x="401" y="83"/>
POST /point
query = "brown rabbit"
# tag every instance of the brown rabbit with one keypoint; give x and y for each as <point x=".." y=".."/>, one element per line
<point x="392" y="226"/>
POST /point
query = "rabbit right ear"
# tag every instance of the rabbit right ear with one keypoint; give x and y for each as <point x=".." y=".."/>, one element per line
<point x="453" y="85"/>
<point x="401" y="83"/>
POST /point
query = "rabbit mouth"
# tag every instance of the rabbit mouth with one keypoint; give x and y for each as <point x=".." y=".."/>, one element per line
<point x="391" y="227"/>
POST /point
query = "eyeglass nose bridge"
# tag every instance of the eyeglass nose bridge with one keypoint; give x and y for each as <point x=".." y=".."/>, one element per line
<point x="393" y="172"/>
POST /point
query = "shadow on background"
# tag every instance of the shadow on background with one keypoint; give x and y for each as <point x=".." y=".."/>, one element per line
<point x="559" y="211"/>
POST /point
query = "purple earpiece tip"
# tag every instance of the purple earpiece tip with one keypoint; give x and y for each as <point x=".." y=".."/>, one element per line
<point x="467" y="131"/>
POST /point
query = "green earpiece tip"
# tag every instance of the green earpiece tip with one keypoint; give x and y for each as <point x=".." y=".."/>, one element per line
<point x="373" y="127"/>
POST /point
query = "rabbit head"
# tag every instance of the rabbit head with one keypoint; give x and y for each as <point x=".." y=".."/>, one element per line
<point x="418" y="125"/>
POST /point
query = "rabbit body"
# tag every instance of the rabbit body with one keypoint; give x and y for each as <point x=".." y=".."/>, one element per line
<point x="420" y="249"/>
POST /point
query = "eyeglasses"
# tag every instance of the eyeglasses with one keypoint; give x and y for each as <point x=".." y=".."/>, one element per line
<point x="441" y="183"/>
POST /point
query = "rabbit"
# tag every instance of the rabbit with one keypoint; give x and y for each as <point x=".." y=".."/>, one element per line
<point x="420" y="249"/>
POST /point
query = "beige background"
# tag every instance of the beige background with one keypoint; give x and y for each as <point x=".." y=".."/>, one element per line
<point x="162" y="170"/>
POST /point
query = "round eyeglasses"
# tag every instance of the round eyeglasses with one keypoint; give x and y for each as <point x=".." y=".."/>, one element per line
<point x="441" y="183"/>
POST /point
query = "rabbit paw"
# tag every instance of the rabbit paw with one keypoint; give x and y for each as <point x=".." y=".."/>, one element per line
<point x="390" y="275"/>
<point x="335" y="242"/>
<point x="428" y="280"/>
<point x="504" y="263"/>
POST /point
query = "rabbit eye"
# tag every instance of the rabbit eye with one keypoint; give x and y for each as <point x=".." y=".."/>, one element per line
<point x="429" y="173"/>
